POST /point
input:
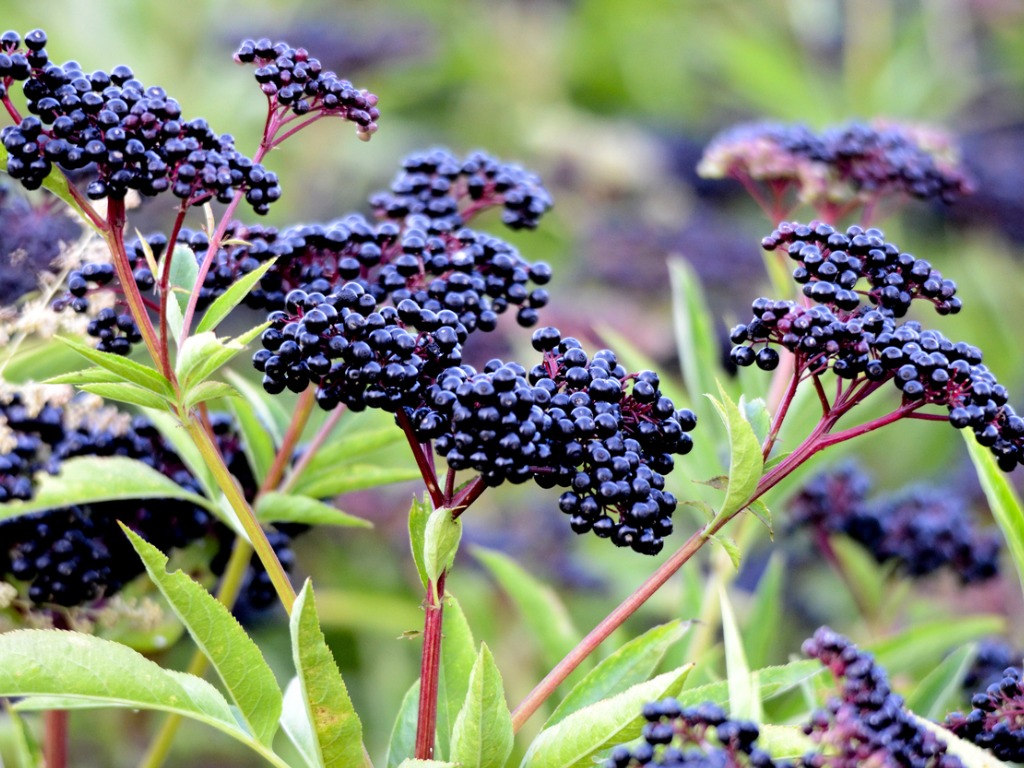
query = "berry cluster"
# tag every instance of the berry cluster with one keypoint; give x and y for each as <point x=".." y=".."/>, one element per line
<point x="77" y="555"/>
<point x="448" y="190"/>
<point x="865" y="342"/>
<point x="133" y="136"/>
<point x="295" y="82"/>
<point x="855" y="162"/>
<point x="700" y="736"/>
<point x="996" y="720"/>
<point x="921" y="530"/>
<point x="830" y="264"/>
<point x="866" y="723"/>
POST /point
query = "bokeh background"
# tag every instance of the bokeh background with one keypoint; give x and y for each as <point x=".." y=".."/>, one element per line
<point x="611" y="103"/>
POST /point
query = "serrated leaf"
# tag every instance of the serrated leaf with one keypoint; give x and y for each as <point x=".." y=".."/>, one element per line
<point x="761" y="630"/>
<point x="1002" y="500"/>
<point x="539" y="605"/>
<point x="220" y="637"/>
<point x="92" y="479"/>
<point x="441" y="539"/>
<point x="745" y="462"/>
<point x="483" y="736"/>
<point x="633" y="663"/>
<point x="934" y="695"/>
<point x="574" y="741"/>
<point x="208" y="390"/>
<point x="125" y="392"/>
<point x="760" y="510"/>
<point x="70" y="670"/>
<point x="127" y="369"/>
<point x="203" y="354"/>
<point x="273" y="507"/>
<point x="744" y="696"/>
<point x="231" y="298"/>
<point x="354" y="477"/>
<point x="458" y="657"/>
<point x="95" y="375"/>
<point x="419" y="513"/>
<point x="403" y="733"/>
<point x="257" y="440"/>
<point x="339" y="734"/>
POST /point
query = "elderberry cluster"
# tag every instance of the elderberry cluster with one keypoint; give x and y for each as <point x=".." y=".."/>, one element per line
<point x="865" y="341"/>
<point x="866" y="723"/>
<point x="134" y="137"/>
<point x="996" y="720"/>
<point x="297" y="82"/>
<point x="991" y="659"/>
<point x="442" y="187"/>
<point x="920" y="530"/>
<point x="77" y="555"/>
<point x="702" y="736"/>
<point x="844" y="162"/>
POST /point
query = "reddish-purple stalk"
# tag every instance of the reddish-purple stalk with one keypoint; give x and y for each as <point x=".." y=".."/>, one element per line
<point x="430" y="667"/>
<point x="311" y="449"/>
<point x="165" y="286"/>
<point x="818" y="440"/>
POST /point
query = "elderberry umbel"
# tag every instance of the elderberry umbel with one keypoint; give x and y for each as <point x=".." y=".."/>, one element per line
<point x="996" y="720"/>
<point x="919" y="530"/>
<point x="865" y="723"/>
<point x="295" y="82"/>
<point x="674" y="736"/>
<point x="866" y="343"/>
<point x="133" y="136"/>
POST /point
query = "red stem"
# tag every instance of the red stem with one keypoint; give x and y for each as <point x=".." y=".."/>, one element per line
<point x="164" y="287"/>
<point x="426" y="723"/>
<point x="425" y="465"/>
<point x="55" y="743"/>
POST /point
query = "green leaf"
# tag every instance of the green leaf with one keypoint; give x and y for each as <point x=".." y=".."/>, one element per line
<point x="231" y="298"/>
<point x="171" y="429"/>
<point x="1002" y="500"/>
<point x="350" y="446"/>
<point x="403" y="733"/>
<point x="934" y="695"/>
<point x="458" y="657"/>
<point x="729" y="547"/>
<point x="183" y="274"/>
<point x="573" y="742"/>
<point x="273" y="507"/>
<point x="694" y="330"/>
<point x="921" y="646"/>
<point x="296" y="725"/>
<point x="784" y="741"/>
<point x="419" y="513"/>
<point x="760" y="510"/>
<point x="744" y="696"/>
<point x="222" y="640"/>
<point x="538" y="604"/>
<point x="745" y="462"/>
<point x="274" y="416"/>
<point x="414" y="763"/>
<point x="91" y="479"/>
<point x="756" y="413"/>
<point x="483" y="736"/>
<point x="70" y="670"/>
<point x="440" y="543"/>
<point x="27" y="752"/>
<point x="208" y="390"/>
<point x="339" y="734"/>
<point x="202" y="354"/>
<point x="772" y="681"/>
<point x="125" y="392"/>
<point x="633" y="663"/>
<point x="761" y="630"/>
<point x="86" y="376"/>
<point x="353" y="477"/>
<point x="258" y="441"/>
<point x="129" y="370"/>
<point x="863" y="573"/>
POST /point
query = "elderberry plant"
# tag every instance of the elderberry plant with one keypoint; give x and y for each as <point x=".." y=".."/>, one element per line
<point x="172" y="455"/>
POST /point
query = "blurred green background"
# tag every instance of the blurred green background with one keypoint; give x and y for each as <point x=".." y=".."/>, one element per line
<point x="611" y="102"/>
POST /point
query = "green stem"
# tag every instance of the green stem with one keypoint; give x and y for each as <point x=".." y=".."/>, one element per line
<point x="227" y="593"/>
<point x="246" y="517"/>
